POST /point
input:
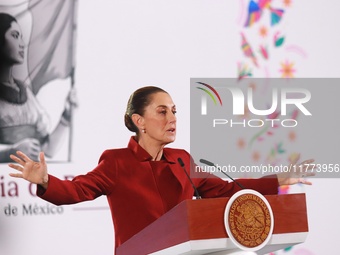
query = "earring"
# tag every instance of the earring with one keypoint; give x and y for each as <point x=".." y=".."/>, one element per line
<point x="143" y="130"/>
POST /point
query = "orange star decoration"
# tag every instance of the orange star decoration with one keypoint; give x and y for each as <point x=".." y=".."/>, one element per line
<point x="241" y="143"/>
<point x="287" y="3"/>
<point x="292" y="136"/>
<point x="284" y="189"/>
<point x="287" y="69"/>
<point x="256" y="156"/>
<point x="253" y="86"/>
<point x="263" y="31"/>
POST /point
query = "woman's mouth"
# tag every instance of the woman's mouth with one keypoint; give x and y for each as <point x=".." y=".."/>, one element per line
<point x="172" y="130"/>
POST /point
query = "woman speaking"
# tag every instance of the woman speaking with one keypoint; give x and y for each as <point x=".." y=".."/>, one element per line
<point x="143" y="181"/>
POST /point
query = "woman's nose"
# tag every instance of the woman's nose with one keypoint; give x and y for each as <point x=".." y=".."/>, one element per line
<point x="173" y="118"/>
<point x="22" y="44"/>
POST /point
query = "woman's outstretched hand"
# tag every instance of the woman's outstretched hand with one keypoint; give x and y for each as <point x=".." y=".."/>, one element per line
<point x="297" y="173"/>
<point x="34" y="172"/>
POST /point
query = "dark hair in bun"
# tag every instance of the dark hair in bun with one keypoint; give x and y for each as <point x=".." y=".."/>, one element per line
<point x="139" y="99"/>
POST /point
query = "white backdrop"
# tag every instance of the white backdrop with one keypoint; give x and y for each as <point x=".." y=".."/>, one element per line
<point x="123" y="45"/>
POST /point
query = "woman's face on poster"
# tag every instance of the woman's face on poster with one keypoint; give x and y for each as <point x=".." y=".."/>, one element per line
<point x="13" y="48"/>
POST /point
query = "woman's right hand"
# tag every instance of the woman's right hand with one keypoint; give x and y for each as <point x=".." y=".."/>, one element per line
<point x="30" y="146"/>
<point x="32" y="171"/>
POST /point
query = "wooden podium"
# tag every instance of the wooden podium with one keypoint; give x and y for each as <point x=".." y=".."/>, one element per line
<point x="197" y="227"/>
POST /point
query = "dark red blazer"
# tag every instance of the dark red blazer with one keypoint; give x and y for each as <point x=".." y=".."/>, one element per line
<point x="140" y="190"/>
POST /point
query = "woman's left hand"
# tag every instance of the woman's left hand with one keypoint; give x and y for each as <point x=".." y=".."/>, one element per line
<point x="297" y="173"/>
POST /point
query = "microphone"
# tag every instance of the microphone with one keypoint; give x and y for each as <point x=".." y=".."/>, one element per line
<point x="197" y="195"/>
<point x="212" y="164"/>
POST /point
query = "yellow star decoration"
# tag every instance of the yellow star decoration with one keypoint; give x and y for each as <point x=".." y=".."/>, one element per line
<point x="287" y="69"/>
